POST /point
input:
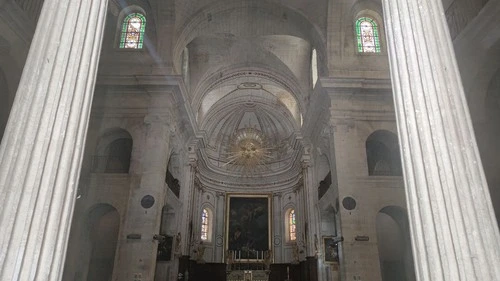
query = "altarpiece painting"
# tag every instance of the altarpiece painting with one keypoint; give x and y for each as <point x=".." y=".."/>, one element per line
<point x="248" y="225"/>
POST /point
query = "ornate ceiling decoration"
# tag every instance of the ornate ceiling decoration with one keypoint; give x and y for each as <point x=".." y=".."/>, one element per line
<point x="249" y="150"/>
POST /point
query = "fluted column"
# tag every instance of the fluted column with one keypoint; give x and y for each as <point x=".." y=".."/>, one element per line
<point x="41" y="153"/>
<point x="454" y="230"/>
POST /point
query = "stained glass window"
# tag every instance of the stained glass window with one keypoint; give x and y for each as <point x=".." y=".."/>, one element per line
<point x="204" y="225"/>
<point x="292" y="226"/>
<point x="133" y="29"/>
<point x="367" y="34"/>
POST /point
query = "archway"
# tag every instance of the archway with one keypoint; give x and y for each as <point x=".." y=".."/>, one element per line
<point x="104" y="224"/>
<point x="394" y="246"/>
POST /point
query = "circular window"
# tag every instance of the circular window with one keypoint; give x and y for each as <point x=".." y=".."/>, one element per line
<point x="349" y="203"/>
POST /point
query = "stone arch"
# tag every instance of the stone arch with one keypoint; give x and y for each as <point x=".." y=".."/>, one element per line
<point x="113" y="153"/>
<point x="297" y="25"/>
<point x="394" y="245"/>
<point x="103" y="222"/>
<point x="382" y="154"/>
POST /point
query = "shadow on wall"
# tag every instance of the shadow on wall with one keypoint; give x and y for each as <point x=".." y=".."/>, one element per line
<point x="488" y="137"/>
<point x="5" y="103"/>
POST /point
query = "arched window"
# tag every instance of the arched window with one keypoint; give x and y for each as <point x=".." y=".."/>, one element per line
<point x="133" y="29"/>
<point x="367" y="35"/>
<point x="206" y="218"/>
<point x="314" y="68"/>
<point x="290" y="225"/>
<point x="292" y="230"/>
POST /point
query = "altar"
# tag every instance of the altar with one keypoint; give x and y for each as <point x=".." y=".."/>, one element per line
<point x="256" y="268"/>
<point x="248" y="275"/>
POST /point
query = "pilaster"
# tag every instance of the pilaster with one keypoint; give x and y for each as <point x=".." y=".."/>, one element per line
<point x="311" y="205"/>
<point x="278" y="228"/>
<point x="218" y="225"/>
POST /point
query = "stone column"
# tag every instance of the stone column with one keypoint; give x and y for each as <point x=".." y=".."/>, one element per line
<point x="453" y="226"/>
<point x="278" y="234"/>
<point x="41" y="152"/>
<point x="187" y="195"/>
<point x="301" y="219"/>
<point x="218" y="226"/>
<point x="137" y="257"/>
<point x="311" y="206"/>
<point x="195" y="238"/>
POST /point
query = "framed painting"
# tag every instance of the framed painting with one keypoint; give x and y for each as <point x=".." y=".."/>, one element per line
<point x="330" y="249"/>
<point x="248" y="225"/>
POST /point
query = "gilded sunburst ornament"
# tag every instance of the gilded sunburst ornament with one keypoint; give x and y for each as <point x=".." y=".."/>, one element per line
<point x="248" y="149"/>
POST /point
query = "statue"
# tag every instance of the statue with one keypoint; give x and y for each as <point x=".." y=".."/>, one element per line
<point x="267" y="259"/>
<point x="229" y="260"/>
<point x="200" y="251"/>
<point x="177" y="247"/>
<point x="316" y="249"/>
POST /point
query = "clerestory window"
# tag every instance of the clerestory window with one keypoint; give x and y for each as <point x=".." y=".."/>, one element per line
<point x="368" y="39"/>
<point x="133" y="28"/>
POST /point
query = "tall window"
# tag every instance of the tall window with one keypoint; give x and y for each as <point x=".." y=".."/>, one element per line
<point x="292" y="230"/>
<point x="314" y="67"/>
<point x="367" y="34"/>
<point x="204" y="225"/>
<point x="133" y="29"/>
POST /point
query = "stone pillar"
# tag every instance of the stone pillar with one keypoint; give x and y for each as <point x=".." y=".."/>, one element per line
<point x="454" y="231"/>
<point x="187" y="195"/>
<point x="301" y="219"/>
<point x="218" y="226"/>
<point x="41" y="152"/>
<point x="278" y="235"/>
<point x="195" y="239"/>
<point x="137" y="257"/>
<point x="311" y="206"/>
